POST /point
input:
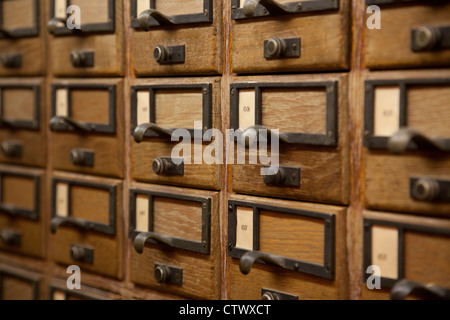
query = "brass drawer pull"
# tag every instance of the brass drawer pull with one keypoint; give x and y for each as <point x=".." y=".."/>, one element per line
<point x="12" y="149"/>
<point x="429" y="38"/>
<point x="404" y="288"/>
<point x="142" y="238"/>
<point x="399" y="142"/>
<point x="249" y="258"/>
<point x="11" y="60"/>
<point x="11" y="237"/>
<point x="162" y="19"/>
<point x="141" y="130"/>
<point x="66" y="123"/>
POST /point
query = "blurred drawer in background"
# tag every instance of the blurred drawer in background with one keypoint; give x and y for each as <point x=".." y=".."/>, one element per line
<point x="22" y="38"/>
<point x="177" y="37"/>
<point x="288" y="36"/>
<point x="407" y="135"/>
<point x="175" y="234"/>
<point x="97" y="49"/>
<point x="286" y="250"/>
<point x="311" y="112"/>
<point x="411" y="253"/>
<point x="23" y="211"/>
<point x="158" y="107"/>
<point x="88" y="126"/>
<point x="23" y="127"/>
<point x="59" y="291"/>
<point x="86" y="223"/>
<point x="19" y="284"/>
<point x="413" y="34"/>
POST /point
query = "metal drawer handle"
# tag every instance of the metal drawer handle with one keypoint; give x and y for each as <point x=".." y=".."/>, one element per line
<point x="398" y="143"/>
<point x="66" y="123"/>
<point x="251" y="134"/>
<point x="272" y="6"/>
<point x="54" y="24"/>
<point x="404" y="288"/>
<point x="141" y="130"/>
<point x="142" y="238"/>
<point x="11" y="237"/>
<point x="9" y="209"/>
<point x="12" y="149"/>
<point x="63" y="221"/>
<point x="430" y="38"/>
<point x="145" y="16"/>
<point x="11" y="60"/>
<point x="249" y="258"/>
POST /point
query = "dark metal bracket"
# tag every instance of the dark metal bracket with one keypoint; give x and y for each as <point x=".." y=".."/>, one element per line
<point x="21" y="32"/>
<point x="430" y="190"/>
<point x="203" y="246"/>
<point x="12" y="148"/>
<point x="286" y="176"/>
<point x="265" y="8"/>
<point x="168" y="274"/>
<point x="267" y="294"/>
<point x="170" y="55"/>
<point x="102" y="27"/>
<point x="428" y="38"/>
<point x="167" y="167"/>
<point x="329" y="139"/>
<point x="404" y="288"/>
<point x="11" y="60"/>
<point x="249" y="257"/>
<point x="155" y="18"/>
<point x="82" y="157"/>
<point x="82" y="59"/>
<point x="80" y="253"/>
<point x="11" y="237"/>
<point x="277" y="48"/>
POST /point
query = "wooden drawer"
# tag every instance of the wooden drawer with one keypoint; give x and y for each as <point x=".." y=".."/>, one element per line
<point x="314" y="36"/>
<point x="407" y="161"/>
<point x="59" y="291"/>
<point x="18" y="284"/>
<point x="175" y="235"/>
<point x="310" y="113"/>
<point x="190" y="105"/>
<point x="302" y="246"/>
<point x="22" y="44"/>
<point x="22" y="211"/>
<point x="412" y="35"/>
<point x="405" y="247"/>
<point x="88" y="126"/>
<point x="86" y="223"/>
<point x="23" y="122"/>
<point x="97" y="49"/>
<point x="177" y="37"/>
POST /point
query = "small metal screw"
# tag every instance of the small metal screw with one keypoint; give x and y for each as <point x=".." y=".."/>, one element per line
<point x="296" y="266"/>
<point x="330" y="134"/>
<point x="293" y="177"/>
<point x="230" y="246"/>
<point x="330" y="89"/>
<point x="233" y="9"/>
<point x="299" y="6"/>
<point x="233" y="91"/>
<point x="327" y="267"/>
<point x="368" y="88"/>
<point x="367" y="133"/>
<point x="230" y="207"/>
<point x="205" y="91"/>
<point x="264" y="10"/>
<point x="206" y="12"/>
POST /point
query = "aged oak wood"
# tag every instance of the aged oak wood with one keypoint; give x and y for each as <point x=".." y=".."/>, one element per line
<point x="19" y="284"/>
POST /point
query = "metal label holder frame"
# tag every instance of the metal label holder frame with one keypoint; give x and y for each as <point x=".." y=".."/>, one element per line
<point x="207" y="106"/>
<point x="237" y="13"/>
<point x="182" y="19"/>
<point x="203" y="246"/>
<point x="401" y="227"/>
<point x="377" y="142"/>
<point x="110" y="128"/>
<point x="109" y="229"/>
<point x="329" y="139"/>
<point x="327" y="270"/>
<point x="22" y="124"/>
<point x="22" y="32"/>
<point x="33" y="214"/>
<point x="101" y="27"/>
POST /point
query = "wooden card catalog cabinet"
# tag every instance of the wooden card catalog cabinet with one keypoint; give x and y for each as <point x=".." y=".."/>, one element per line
<point x="22" y="40"/>
<point x="59" y="291"/>
<point x="407" y="135"/>
<point x="409" y="255"/>
<point x="17" y="284"/>
<point x="87" y="127"/>
<point x="22" y="211"/>
<point x="177" y="37"/>
<point x="87" y="37"/>
<point x="86" y="223"/>
<point x="22" y="122"/>
<point x="175" y="235"/>
<point x="313" y="152"/>
<point x="291" y="35"/>
<point x="285" y="250"/>
<point x="413" y="34"/>
<point x="160" y="113"/>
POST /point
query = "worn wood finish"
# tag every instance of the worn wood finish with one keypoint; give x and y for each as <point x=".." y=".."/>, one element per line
<point x="204" y="45"/>
<point x="390" y="46"/>
<point x="108" y="250"/>
<point x="197" y="174"/>
<point x="60" y="292"/>
<point x="18" y="104"/>
<point x="201" y="273"/>
<point x="324" y="170"/>
<point x="20" y="192"/>
<point x="109" y="49"/>
<point x="427" y="257"/>
<point x="32" y="49"/>
<point x="325" y="42"/>
<point x="108" y="148"/>
<point x="19" y="284"/>
<point x="277" y="236"/>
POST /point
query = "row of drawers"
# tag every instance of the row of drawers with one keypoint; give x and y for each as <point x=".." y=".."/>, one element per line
<point x="406" y="158"/>
<point x="173" y="236"/>
<point x="186" y="37"/>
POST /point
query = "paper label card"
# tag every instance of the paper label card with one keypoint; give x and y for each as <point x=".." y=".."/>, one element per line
<point x="142" y="218"/>
<point x="62" y="200"/>
<point x="244" y="228"/>
<point x="247" y="108"/>
<point x="385" y="250"/>
<point x="387" y="111"/>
